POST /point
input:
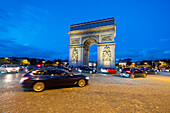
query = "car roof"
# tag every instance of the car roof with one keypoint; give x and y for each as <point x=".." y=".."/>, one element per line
<point x="10" y="65"/>
<point x="41" y="69"/>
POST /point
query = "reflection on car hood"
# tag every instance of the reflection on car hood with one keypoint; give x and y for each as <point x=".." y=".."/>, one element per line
<point x="80" y="75"/>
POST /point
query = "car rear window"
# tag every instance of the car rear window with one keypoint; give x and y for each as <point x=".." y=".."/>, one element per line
<point x="38" y="72"/>
<point x="126" y="69"/>
<point x="112" y="68"/>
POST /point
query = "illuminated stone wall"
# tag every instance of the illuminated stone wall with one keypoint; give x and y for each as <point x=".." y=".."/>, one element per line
<point x="82" y="39"/>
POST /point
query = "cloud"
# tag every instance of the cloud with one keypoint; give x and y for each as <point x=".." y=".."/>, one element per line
<point x="164" y="40"/>
<point x="138" y="54"/>
<point x="10" y="48"/>
<point x="148" y="54"/>
<point x="20" y="30"/>
<point x="24" y="24"/>
<point x="3" y="14"/>
<point x="4" y="17"/>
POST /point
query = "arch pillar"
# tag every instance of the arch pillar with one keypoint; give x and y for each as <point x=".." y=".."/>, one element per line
<point x="105" y="61"/>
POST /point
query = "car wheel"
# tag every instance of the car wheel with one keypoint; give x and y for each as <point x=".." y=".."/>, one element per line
<point x="81" y="83"/>
<point x="39" y="86"/>
<point x="132" y="76"/>
<point x="144" y="75"/>
<point x="156" y="73"/>
<point x="91" y="72"/>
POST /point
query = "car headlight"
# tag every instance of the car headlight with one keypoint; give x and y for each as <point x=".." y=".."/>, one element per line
<point x="87" y="78"/>
<point x="8" y="69"/>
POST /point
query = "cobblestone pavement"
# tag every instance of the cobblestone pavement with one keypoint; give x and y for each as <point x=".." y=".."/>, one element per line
<point x="104" y="94"/>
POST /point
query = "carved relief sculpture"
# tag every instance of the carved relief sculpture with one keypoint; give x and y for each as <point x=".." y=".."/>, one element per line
<point x="106" y="38"/>
<point x="75" y="41"/>
<point x="75" y="55"/>
<point x="106" y="54"/>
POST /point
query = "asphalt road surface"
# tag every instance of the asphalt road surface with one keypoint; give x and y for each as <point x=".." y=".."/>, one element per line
<point x="105" y="93"/>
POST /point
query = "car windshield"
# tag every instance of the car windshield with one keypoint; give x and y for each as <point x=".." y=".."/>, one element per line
<point x="126" y="69"/>
<point x="112" y="68"/>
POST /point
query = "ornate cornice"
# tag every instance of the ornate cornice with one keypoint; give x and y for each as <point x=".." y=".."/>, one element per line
<point x="101" y="28"/>
<point x="93" y="22"/>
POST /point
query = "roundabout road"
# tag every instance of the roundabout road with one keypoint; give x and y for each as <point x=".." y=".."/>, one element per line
<point x="104" y="93"/>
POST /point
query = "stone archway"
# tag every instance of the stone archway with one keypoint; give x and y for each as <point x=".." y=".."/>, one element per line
<point x="83" y="35"/>
<point x="87" y="43"/>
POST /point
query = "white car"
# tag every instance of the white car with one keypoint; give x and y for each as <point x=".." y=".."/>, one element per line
<point x="167" y="70"/>
<point x="7" y="68"/>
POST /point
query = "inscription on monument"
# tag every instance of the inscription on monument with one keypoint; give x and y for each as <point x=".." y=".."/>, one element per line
<point x="106" y="38"/>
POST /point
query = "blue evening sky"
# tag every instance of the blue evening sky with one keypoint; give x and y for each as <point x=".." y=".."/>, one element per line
<point x="39" y="28"/>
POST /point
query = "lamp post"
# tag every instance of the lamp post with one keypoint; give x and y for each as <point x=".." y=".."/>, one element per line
<point x="43" y="62"/>
<point x="145" y="64"/>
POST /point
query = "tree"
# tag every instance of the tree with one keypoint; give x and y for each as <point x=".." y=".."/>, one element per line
<point x="49" y="63"/>
<point x="4" y="61"/>
<point x="14" y="61"/>
<point x="25" y="62"/>
<point x="33" y="61"/>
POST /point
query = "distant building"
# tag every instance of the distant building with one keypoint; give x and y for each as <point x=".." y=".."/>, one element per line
<point x="122" y="64"/>
<point x="125" y="62"/>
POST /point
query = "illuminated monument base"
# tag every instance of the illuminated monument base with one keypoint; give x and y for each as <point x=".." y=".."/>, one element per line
<point x="83" y="35"/>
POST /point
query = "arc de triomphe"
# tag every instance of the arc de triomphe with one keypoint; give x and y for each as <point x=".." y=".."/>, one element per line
<point x="83" y="35"/>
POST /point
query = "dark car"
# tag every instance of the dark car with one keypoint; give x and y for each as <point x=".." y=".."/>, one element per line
<point x="86" y="70"/>
<point x="47" y="78"/>
<point x="149" y="71"/>
<point x="132" y="73"/>
<point x="65" y="68"/>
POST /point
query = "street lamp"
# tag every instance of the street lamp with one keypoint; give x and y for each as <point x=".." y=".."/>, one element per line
<point x="43" y="62"/>
<point x="57" y="63"/>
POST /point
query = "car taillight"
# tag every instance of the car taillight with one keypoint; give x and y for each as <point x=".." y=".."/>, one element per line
<point x="38" y="65"/>
<point x="24" y="78"/>
<point x="128" y="71"/>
